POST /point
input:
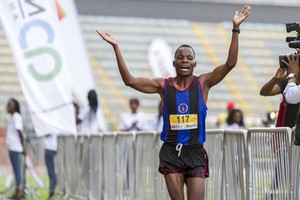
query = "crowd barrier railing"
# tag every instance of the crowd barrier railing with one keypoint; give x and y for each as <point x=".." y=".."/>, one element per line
<point x="214" y="148"/>
<point x="252" y="164"/>
<point x="295" y="170"/>
<point x="234" y="163"/>
<point x="269" y="151"/>
<point x="258" y="163"/>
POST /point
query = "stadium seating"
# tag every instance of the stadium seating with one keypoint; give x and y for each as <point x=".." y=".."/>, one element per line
<point x="258" y="60"/>
<point x="260" y="45"/>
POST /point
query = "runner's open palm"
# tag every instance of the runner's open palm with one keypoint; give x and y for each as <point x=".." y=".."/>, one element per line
<point x="107" y="37"/>
<point x="239" y="17"/>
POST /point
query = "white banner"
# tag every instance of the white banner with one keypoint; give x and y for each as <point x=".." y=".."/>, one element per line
<point x="160" y="59"/>
<point x="33" y="32"/>
<point x="82" y="79"/>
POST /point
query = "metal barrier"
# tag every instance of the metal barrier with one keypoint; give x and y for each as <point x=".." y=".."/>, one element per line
<point x="269" y="166"/>
<point x="128" y="163"/>
<point x="227" y="162"/>
<point x="259" y="163"/>
<point x="295" y="170"/>
<point x="146" y="164"/>
<point x="234" y="163"/>
<point x="214" y="148"/>
<point x="96" y="170"/>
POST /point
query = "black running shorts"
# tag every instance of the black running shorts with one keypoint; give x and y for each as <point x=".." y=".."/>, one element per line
<point x="192" y="162"/>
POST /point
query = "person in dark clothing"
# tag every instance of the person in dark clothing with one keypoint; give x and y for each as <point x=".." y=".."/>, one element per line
<point x="287" y="111"/>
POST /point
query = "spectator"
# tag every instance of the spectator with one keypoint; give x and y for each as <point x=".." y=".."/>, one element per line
<point x="90" y="118"/>
<point x="50" y="146"/>
<point x="159" y="119"/>
<point x="292" y="89"/>
<point x="223" y="116"/>
<point x="235" y="120"/>
<point x="134" y="120"/>
<point x="287" y="111"/>
<point x="15" y="143"/>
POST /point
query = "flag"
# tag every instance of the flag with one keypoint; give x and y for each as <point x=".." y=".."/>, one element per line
<point x="81" y="76"/>
<point x="34" y="35"/>
<point x="160" y="59"/>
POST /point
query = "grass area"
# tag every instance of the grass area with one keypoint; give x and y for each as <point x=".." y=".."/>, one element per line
<point x="32" y="189"/>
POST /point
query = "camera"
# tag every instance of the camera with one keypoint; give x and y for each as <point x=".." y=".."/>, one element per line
<point x="285" y="58"/>
<point x="293" y="42"/>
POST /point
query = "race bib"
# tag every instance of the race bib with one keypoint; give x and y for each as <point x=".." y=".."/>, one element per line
<point x="183" y="122"/>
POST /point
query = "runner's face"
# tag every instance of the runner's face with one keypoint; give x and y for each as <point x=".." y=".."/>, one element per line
<point x="184" y="62"/>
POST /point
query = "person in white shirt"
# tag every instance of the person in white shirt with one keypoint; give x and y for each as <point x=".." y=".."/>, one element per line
<point x="50" y="146"/>
<point x="135" y="120"/>
<point x="158" y="120"/>
<point x="292" y="90"/>
<point x="15" y="144"/>
<point x="91" y="119"/>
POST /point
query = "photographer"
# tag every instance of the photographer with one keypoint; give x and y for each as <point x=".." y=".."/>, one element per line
<point x="287" y="111"/>
<point x="292" y="89"/>
<point x="280" y="83"/>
